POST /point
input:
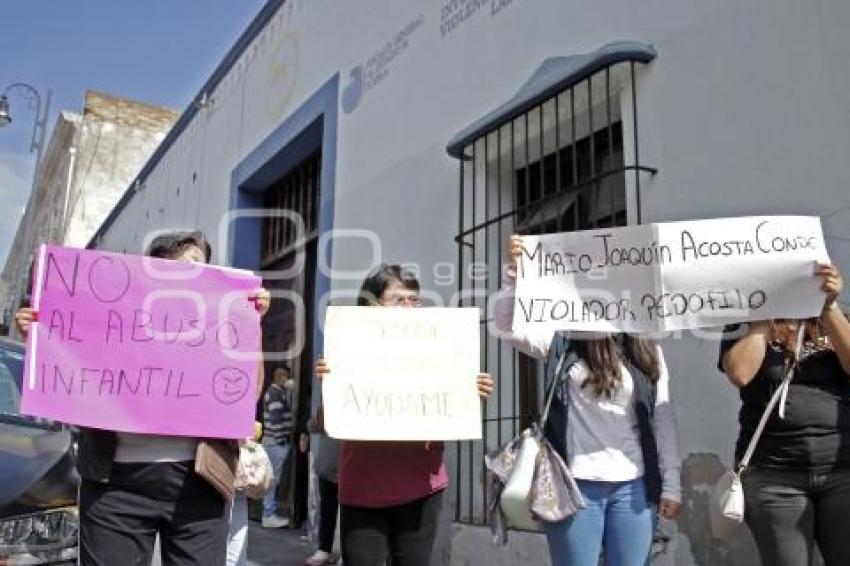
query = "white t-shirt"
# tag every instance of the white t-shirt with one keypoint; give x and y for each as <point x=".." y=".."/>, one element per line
<point x="154" y="448"/>
<point x="603" y="441"/>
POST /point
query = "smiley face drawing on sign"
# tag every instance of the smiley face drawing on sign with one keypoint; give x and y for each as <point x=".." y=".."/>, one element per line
<point x="230" y="385"/>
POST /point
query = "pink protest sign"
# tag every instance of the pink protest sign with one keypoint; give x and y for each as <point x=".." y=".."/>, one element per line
<point x="138" y="344"/>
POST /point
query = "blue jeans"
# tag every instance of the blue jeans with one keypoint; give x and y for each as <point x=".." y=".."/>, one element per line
<point x="617" y="519"/>
<point x="278" y="453"/>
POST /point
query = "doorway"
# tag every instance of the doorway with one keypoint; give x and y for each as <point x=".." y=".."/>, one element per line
<point x="289" y="245"/>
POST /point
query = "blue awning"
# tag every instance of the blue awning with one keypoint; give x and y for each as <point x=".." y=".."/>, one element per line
<point x="552" y="77"/>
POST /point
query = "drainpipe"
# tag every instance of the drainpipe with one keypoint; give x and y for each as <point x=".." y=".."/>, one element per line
<point x="66" y="212"/>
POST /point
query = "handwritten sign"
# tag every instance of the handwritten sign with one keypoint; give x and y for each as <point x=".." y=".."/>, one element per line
<point x="669" y="276"/>
<point x="138" y="344"/>
<point x="402" y="373"/>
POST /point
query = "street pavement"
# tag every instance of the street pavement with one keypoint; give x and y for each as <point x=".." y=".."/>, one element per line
<point x="276" y="547"/>
<point x="271" y="547"/>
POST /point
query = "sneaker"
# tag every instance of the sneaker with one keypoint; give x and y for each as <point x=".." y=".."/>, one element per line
<point x="275" y="522"/>
<point x="320" y="558"/>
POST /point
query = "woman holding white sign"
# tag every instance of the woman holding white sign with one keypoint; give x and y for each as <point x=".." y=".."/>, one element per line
<point x="390" y="493"/>
<point x="613" y="424"/>
<point x="797" y="484"/>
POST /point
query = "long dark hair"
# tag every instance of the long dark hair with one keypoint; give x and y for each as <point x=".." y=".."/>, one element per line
<point x="603" y="355"/>
<point x="377" y="282"/>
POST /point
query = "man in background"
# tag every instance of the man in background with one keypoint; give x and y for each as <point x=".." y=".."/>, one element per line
<point x="278" y="426"/>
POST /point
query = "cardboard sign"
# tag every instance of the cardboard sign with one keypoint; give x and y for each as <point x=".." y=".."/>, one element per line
<point x="402" y="373"/>
<point x="144" y="345"/>
<point x="670" y="276"/>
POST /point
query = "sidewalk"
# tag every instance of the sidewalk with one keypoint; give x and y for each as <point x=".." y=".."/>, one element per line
<point x="269" y="547"/>
<point x="276" y="547"/>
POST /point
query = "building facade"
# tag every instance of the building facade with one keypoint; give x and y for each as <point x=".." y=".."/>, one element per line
<point x="89" y="161"/>
<point x="334" y="136"/>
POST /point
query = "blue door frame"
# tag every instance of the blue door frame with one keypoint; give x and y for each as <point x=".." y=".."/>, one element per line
<point x="311" y="127"/>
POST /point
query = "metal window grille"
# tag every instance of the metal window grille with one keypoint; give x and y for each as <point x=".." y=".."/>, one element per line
<point x="297" y="192"/>
<point x="558" y="167"/>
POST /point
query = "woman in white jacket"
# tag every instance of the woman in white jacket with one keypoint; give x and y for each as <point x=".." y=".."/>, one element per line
<point x="613" y="423"/>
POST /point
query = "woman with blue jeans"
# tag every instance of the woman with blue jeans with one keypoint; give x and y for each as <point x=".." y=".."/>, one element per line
<point x="613" y="423"/>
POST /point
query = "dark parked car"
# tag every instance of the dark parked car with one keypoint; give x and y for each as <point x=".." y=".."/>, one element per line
<point x="38" y="483"/>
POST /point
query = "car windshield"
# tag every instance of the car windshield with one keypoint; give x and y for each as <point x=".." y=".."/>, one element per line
<point x="11" y="373"/>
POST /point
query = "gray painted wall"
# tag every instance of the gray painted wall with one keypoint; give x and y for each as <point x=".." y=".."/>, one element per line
<point x="743" y="112"/>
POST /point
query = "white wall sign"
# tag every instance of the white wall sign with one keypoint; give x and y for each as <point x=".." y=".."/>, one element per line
<point x="670" y="276"/>
<point x="402" y="373"/>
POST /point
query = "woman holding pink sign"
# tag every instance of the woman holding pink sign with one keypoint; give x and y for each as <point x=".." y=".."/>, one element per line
<point x="137" y="486"/>
<point x="390" y="493"/>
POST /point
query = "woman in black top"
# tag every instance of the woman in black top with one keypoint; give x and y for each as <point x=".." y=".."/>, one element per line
<point x="797" y="487"/>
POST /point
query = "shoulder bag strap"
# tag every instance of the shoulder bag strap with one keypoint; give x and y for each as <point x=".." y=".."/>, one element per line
<point x="781" y="391"/>
<point x="556" y="379"/>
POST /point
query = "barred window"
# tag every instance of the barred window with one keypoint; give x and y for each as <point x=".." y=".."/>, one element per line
<point x="297" y="193"/>
<point x="552" y="159"/>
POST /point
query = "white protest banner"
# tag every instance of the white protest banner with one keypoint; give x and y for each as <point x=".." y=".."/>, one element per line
<point x="402" y="373"/>
<point x="670" y="276"/>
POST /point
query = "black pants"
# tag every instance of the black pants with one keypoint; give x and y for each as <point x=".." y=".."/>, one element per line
<point x="328" y="507"/>
<point x="119" y="520"/>
<point x="790" y="511"/>
<point x="403" y="533"/>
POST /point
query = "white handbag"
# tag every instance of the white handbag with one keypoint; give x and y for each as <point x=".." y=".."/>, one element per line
<point x="727" y="504"/>
<point x="515" y="500"/>
<point x="727" y="498"/>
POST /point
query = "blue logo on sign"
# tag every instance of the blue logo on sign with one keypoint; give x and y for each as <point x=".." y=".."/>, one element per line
<point x="353" y="92"/>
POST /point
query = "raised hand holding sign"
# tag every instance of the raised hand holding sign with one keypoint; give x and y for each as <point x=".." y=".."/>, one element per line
<point x="669" y="276"/>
